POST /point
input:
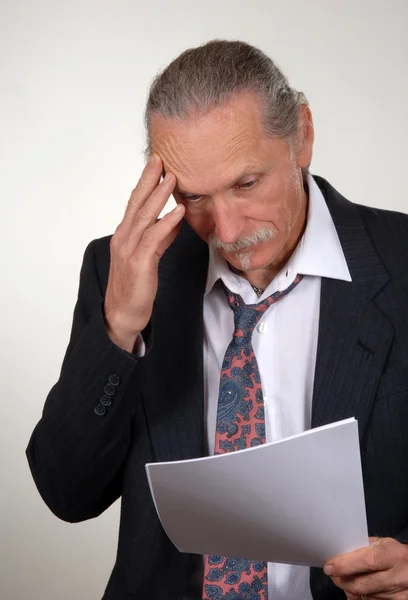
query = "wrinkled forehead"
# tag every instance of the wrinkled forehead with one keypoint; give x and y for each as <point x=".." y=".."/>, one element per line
<point x="204" y="148"/>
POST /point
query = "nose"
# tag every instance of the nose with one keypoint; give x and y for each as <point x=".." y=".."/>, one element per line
<point x="227" y="221"/>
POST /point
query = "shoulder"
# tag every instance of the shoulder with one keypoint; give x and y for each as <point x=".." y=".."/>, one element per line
<point x="97" y="257"/>
<point x="388" y="232"/>
<point x="381" y="222"/>
<point x="386" y="229"/>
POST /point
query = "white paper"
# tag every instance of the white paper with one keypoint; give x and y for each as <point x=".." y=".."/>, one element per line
<point x="298" y="501"/>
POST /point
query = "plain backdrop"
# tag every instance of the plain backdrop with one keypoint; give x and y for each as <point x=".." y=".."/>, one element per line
<point x="73" y="82"/>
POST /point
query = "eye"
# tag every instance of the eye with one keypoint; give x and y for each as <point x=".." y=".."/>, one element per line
<point x="247" y="185"/>
<point x="191" y="198"/>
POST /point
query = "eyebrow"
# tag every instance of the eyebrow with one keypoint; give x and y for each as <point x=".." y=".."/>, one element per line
<point x="244" y="173"/>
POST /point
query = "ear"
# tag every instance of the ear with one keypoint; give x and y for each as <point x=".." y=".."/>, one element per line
<point x="305" y="137"/>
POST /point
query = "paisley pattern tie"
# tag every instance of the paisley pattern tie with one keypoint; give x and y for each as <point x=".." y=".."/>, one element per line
<point x="240" y="424"/>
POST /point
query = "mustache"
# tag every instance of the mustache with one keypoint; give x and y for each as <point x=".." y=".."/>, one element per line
<point x="263" y="234"/>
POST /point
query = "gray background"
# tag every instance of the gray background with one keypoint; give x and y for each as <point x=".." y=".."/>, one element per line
<point x="73" y="82"/>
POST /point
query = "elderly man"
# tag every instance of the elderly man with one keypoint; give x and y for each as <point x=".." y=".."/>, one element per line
<point x="264" y="304"/>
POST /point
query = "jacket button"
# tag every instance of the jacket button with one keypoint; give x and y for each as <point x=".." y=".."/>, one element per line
<point x="105" y="400"/>
<point x="114" y="379"/>
<point x="109" y="389"/>
<point x="100" y="410"/>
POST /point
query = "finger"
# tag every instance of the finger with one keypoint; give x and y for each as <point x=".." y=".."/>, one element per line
<point x="157" y="238"/>
<point x="148" y="214"/>
<point x="365" y="560"/>
<point x="370" y="584"/>
<point x="147" y="183"/>
<point x="168" y="240"/>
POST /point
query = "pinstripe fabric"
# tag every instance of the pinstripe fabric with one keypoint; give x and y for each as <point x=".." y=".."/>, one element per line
<point x="82" y="462"/>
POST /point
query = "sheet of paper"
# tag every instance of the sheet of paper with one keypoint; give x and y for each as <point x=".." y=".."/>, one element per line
<point x="297" y="501"/>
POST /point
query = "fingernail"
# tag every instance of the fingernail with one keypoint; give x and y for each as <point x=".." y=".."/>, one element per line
<point x="167" y="177"/>
<point x="328" y="569"/>
<point x="178" y="208"/>
<point x="152" y="159"/>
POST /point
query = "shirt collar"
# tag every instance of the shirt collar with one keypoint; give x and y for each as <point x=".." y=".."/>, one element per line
<point x="318" y="253"/>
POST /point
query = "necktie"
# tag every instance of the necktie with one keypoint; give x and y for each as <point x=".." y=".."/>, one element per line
<point x="240" y="424"/>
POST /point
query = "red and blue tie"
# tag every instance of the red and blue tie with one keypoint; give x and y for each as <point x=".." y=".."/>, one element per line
<point x="240" y="424"/>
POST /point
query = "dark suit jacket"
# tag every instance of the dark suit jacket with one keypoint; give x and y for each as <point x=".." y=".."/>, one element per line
<point x="82" y="461"/>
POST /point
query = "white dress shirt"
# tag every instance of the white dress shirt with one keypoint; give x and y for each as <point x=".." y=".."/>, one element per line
<point x="284" y="342"/>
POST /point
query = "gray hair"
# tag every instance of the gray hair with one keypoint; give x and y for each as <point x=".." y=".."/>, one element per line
<point x="208" y="76"/>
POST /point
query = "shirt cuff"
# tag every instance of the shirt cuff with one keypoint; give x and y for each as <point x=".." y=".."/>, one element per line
<point x="139" y="349"/>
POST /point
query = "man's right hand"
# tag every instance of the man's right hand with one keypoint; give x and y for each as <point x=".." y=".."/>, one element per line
<point x="136" y="248"/>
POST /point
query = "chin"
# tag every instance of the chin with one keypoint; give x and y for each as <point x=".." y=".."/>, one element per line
<point x="252" y="261"/>
<point x="243" y="261"/>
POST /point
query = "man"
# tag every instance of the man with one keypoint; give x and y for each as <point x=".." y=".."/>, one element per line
<point x="264" y="304"/>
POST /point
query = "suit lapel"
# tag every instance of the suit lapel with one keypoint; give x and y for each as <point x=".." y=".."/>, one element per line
<point x="354" y="335"/>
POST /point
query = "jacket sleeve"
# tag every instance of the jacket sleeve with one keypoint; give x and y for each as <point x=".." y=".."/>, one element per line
<point x="403" y="536"/>
<point x="77" y="450"/>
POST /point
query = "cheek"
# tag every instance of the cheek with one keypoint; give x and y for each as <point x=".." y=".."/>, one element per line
<point x="271" y="207"/>
<point x="278" y="205"/>
<point x="197" y="218"/>
<point x="200" y="221"/>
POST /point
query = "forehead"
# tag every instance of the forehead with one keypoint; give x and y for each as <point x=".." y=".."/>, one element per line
<point x="204" y="150"/>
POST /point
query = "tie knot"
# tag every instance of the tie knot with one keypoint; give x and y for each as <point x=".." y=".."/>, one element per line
<point x="246" y="316"/>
